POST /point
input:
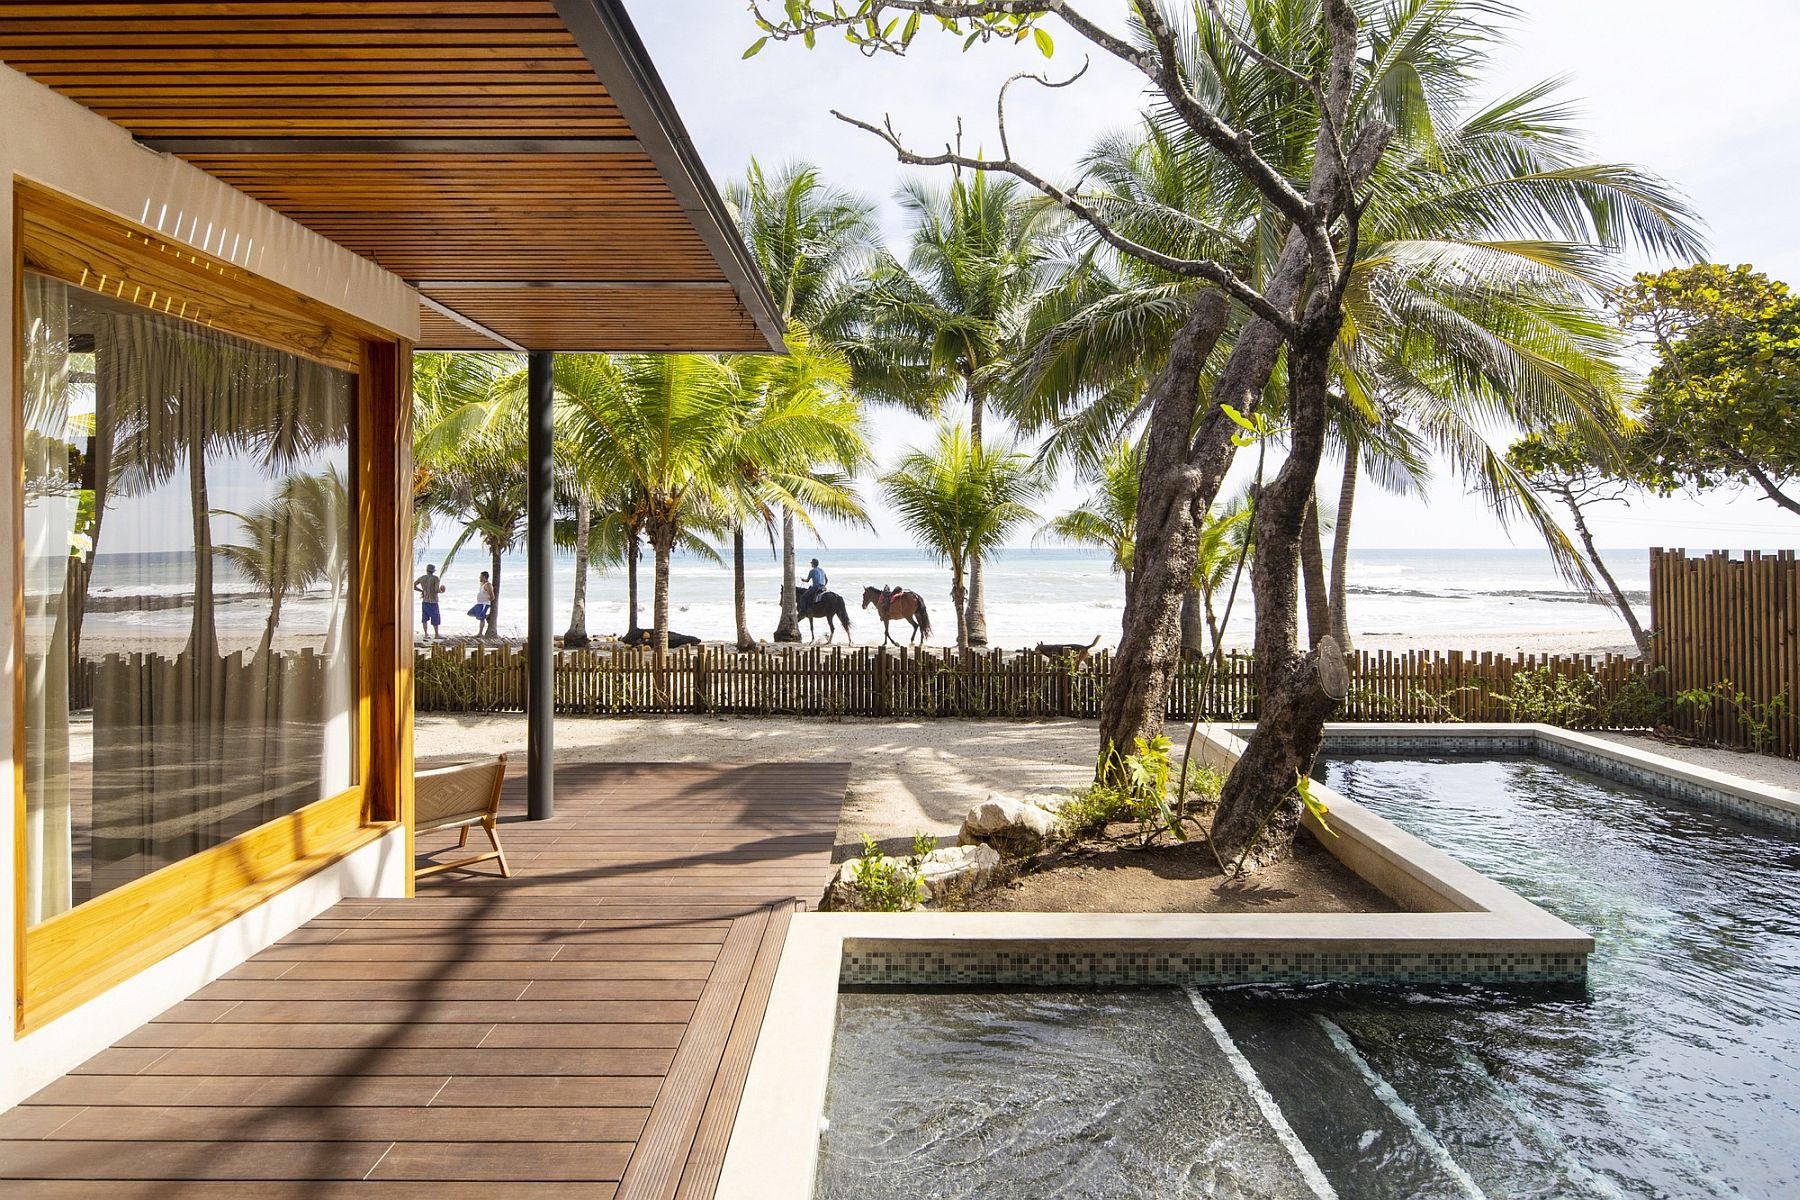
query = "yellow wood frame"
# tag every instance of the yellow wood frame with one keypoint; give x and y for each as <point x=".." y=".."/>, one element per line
<point x="74" y="956"/>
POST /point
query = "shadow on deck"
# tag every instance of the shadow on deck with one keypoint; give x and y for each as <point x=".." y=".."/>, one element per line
<point x="579" y="1030"/>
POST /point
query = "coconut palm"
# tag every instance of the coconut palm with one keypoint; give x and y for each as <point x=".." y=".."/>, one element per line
<point x="292" y="541"/>
<point x="962" y="501"/>
<point x="951" y="318"/>
<point x="810" y="241"/>
<point x="798" y="441"/>
<point x="666" y="433"/>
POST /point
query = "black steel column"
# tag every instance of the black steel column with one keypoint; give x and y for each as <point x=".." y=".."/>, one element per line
<point x="540" y="542"/>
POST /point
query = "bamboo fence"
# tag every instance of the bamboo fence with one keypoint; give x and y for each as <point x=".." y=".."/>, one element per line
<point x="1727" y="645"/>
<point x="867" y="682"/>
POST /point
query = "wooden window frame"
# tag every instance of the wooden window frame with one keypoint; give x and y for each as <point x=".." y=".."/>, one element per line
<point x="74" y="956"/>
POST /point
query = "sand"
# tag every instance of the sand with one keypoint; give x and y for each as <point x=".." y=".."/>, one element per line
<point x="906" y="777"/>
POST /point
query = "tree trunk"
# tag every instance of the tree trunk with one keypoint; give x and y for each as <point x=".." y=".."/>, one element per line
<point x="203" y="637"/>
<point x="577" y="636"/>
<point x="632" y="550"/>
<point x="1136" y="694"/>
<point x="1259" y="792"/>
<point x="977" y="604"/>
<point x="788" y="628"/>
<point x="1215" y="634"/>
<point x="744" y="640"/>
<point x="268" y="635"/>
<point x="1340" y="549"/>
<point x="1312" y="562"/>
<point x="1196" y="619"/>
<point x="662" y="541"/>
<point x="1620" y="602"/>
<point x="958" y="600"/>
<point x="493" y="618"/>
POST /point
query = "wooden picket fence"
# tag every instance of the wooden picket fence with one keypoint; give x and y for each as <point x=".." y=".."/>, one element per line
<point x="866" y="682"/>
<point x="1727" y="645"/>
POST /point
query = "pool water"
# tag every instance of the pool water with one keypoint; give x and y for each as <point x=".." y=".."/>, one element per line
<point x="1675" y="1073"/>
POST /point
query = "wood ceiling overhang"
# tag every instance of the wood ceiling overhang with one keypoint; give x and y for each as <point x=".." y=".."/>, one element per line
<point x="517" y="161"/>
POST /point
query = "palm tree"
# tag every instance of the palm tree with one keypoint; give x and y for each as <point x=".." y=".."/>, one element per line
<point x="962" y="501"/>
<point x="952" y="316"/>
<point x="1107" y="519"/>
<point x="1226" y="542"/>
<point x="798" y="442"/>
<point x="810" y="241"/>
<point x="292" y="541"/>
<point x="667" y="433"/>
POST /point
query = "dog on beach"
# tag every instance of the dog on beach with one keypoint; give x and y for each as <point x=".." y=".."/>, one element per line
<point x="1057" y="651"/>
<point x="642" y="637"/>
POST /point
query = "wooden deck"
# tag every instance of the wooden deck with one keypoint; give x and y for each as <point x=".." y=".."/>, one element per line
<point x="580" y="1030"/>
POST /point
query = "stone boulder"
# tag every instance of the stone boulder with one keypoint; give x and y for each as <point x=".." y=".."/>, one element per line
<point x="1013" y="827"/>
<point x="955" y="873"/>
<point x="946" y="876"/>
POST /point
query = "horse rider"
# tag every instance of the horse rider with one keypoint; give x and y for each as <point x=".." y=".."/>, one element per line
<point x="815" y="585"/>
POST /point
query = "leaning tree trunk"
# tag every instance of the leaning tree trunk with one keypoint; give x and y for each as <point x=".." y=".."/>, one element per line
<point x="744" y="640"/>
<point x="1162" y="564"/>
<point x="492" y="629"/>
<point x="977" y="603"/>
<point x="268" y="635"/>
<point x="1340" y="550"/>
<point x="577" y="636"/>
<point x="1312" y="563"/>
<point x="1259" y="793"/>
<point x="1638" y="636"/>
<point x="1184" y="466"/>
<point x="787" y="629"/>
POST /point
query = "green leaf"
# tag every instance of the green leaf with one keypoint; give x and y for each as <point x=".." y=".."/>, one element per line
<point x="1238" y="418"/>
<point x="912" y="27"/>
<point x="756" y="46"/>
<point x="1043" y="42"/>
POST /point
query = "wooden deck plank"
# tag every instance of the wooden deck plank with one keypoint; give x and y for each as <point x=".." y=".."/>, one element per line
<point x="580" y="1030"/>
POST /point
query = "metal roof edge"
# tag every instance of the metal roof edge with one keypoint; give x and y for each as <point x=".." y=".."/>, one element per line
<point x="611" y="44"/>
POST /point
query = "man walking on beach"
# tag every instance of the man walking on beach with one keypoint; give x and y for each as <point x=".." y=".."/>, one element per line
<point x="815" y="585"/>
<point x="430" y="586"/>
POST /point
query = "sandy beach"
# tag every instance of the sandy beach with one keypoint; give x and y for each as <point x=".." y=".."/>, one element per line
<point x="906" y="776"/>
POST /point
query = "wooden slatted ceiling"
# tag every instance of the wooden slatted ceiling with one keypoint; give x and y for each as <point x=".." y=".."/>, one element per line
<point x="313" y="74"/>
<point x="378" y="68"/>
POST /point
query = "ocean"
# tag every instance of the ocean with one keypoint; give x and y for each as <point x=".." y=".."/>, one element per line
<point x="1064" y="595"/>
<point x="1440" y="598"/>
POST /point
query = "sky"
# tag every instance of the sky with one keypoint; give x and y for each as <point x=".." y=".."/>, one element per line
<point x="1708" y="97"/>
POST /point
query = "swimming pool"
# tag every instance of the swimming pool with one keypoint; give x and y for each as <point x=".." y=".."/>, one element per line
<point x="1675" y="1073"/>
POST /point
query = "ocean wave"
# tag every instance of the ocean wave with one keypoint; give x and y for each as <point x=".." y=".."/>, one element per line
<point x="1542" y="595"/>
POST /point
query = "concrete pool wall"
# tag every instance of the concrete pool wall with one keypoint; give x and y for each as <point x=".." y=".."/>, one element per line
<point x="1461" y="927"/>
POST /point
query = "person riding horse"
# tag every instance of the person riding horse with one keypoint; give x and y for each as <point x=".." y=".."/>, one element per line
<point x="815" y="585"/>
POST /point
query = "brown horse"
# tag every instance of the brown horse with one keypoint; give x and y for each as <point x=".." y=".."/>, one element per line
<point x="900" y="605"/>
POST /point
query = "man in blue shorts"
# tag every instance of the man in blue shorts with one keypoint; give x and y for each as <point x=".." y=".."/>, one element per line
<point x="430" y="586"/>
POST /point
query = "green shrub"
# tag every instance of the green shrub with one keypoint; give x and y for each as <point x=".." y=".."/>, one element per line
<point x="1637" y="705"/>
<point x="1546" y="696"/>
<point x="887" y="885"/>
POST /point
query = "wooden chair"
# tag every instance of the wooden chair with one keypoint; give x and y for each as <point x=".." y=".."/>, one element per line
<point x="461" y="796"/>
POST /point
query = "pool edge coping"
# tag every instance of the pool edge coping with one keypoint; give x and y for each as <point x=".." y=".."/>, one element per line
<point x="774" y="1146"/>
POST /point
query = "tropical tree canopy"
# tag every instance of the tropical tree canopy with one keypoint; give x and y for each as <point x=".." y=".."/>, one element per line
<point x="1722" y="405"/>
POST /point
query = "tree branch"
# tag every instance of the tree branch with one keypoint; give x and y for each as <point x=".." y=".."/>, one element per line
<point x="1188" y="268"/>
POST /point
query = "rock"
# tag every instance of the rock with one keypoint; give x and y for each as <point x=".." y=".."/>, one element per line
<point x="1012" y="827"/>
<point x="957" y="872"/>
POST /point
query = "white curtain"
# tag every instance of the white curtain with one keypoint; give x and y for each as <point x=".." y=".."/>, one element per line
<point x="51" y="506"/>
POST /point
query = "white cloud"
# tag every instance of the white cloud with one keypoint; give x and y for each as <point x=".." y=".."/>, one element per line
<point x="1709" y="98"/>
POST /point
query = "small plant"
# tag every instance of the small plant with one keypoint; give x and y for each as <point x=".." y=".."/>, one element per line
<point x="1552" y="698"/>
<point x="888" y="885"/>
<point x="1758" y="718"/>
<point x="1637" y="705"/>
<point x="1309" y="802"/>
<point x="1135" y="787"/>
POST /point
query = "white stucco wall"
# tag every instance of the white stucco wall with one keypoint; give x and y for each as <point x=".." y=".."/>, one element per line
<point x="58" y="143"/>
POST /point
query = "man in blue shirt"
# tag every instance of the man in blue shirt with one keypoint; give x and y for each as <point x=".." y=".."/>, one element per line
<point x="815" y="585"/>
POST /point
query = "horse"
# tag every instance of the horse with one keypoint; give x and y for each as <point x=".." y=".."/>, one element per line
<point x="829" y="605"/>
<point x="900" y="605"/>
